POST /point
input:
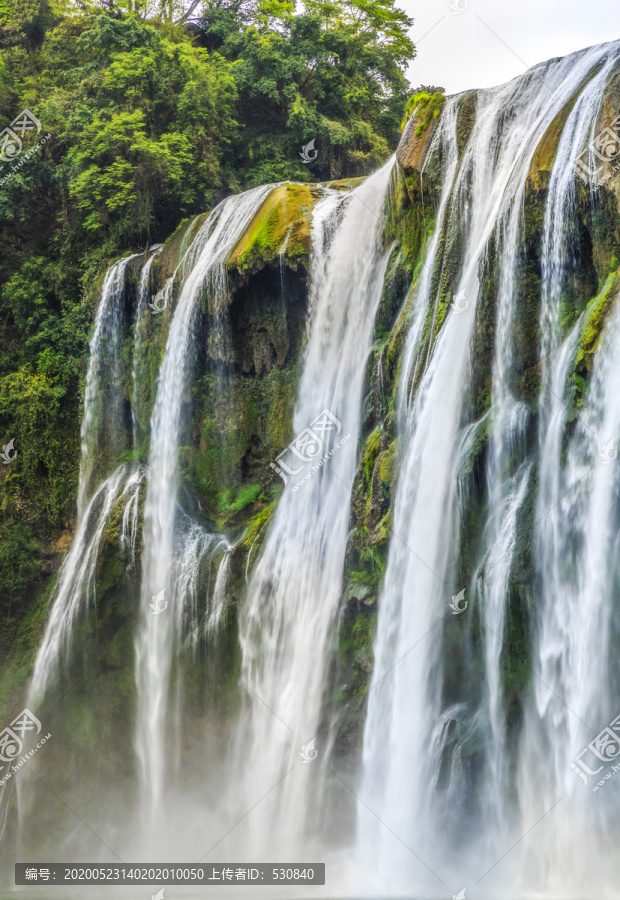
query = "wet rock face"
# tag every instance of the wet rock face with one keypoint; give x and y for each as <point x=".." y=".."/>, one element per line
<point x="590" y="295"/>
<point x="279" y="232"/>
<point x="423" y="110"/>
<point x="233" y="436"/>
<point x="267" y="318"/>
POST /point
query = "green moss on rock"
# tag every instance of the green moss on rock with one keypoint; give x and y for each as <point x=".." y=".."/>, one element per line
<point x="597" y="314"/>
<point x="281" y="228"/>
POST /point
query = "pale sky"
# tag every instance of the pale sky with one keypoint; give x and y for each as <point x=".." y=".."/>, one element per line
<point x="492" y="41"/>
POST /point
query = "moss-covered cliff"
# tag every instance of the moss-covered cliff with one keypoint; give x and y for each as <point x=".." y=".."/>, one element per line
<point x="238" y="415"/>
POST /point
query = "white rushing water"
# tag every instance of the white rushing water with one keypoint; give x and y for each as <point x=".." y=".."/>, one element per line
<point x="462" y="785"/>
<point x="293" y="596"/>
<point x="405" y="738"/>
<point x="102" y="404"/>
<point x="575" y="536"/>
<point x="141" y="320"/>
<point x="76" y="585"/>
<point x="508" y="483"/>
<point x="101" y="425"/>
<point x="203" y="272"/>
<point x="102" y="394"/>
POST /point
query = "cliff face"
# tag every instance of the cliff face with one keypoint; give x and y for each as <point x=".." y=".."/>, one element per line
<point x="588" y="299"/>
<point x="232" y="435"/>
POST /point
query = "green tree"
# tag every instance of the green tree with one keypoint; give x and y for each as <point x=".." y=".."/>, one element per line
<point x="140" y="123"/>
<point x="152" y="117"/>
<point x="334" y="73"/>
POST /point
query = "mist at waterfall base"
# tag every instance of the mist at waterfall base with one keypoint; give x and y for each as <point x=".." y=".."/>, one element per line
<point x="415" y="813"/>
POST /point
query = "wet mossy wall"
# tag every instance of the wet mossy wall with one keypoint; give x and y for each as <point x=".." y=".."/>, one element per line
<point x="591" y="288"/>
<point x="238" y="418"/>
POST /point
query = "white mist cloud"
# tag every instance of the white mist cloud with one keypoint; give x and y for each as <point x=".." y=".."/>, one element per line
<point x="493" y="41"/>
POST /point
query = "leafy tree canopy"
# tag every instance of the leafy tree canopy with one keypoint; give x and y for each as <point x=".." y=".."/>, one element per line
<point x="151" y="111"/>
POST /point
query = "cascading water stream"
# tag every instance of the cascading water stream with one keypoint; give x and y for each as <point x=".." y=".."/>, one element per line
<point x="446" y="141"/>
<point x="198" y="612"/>
<point x="102" y="395"/>
<point x="293" y="595"/>
<point x="573" y="697"/>
<point x="508" y="469"/>
<point x="404" y="749"/>
<point x="137" y="478"/>
<point x="76" y="580"/>
<point x="575" y="535"/>
<point x="450" y="781"/>
<point x="197" y="549"/>
<point x="104" y="384"/>
<point x="129" y="532"/>
<point x="76" y="585"/>
<point x="203" y="272"/>
<point x="143" y="294"/>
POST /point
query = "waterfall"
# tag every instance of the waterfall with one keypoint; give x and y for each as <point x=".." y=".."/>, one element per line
<point x="101" y="419"/>
<point x="293" y="596"/>
<point x="141" y="319"/>
<point x="218" y="606"/>
<point x="196" y="550"/>
<point x="575" y="535"/>
<point x="509" y="469"/>
<point x="204" y="272"/>
<point x="76" y="585"/>
<point x="506" y="492"/>
<point x="102" y="403"/>
<point x="406" y="735"/>
<point x="131" y="492"/>
<point x="102" y="394"/>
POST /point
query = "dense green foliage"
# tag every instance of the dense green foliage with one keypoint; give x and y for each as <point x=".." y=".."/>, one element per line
<point x="154" y="110"/>
<point x="332" y="73"/>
